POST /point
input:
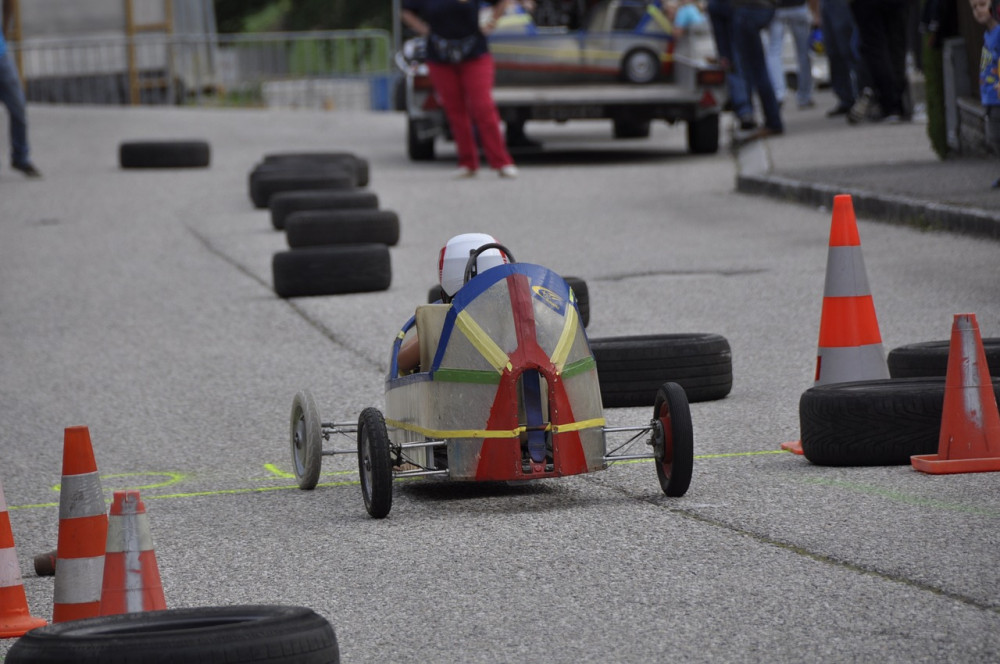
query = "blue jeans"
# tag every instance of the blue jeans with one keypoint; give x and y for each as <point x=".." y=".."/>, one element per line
<point x="749" y="21"/>
<point x="12" y="96"/>
<point x="798" y="21"/>
<point x="720" y="12"/>
<point x="840" y="44"/>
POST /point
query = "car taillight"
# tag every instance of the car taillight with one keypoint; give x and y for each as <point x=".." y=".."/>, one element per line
<point x="711" y="77"/>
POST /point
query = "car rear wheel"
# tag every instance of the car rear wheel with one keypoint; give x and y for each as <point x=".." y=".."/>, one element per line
<point x="673" y="439"/>
<point x="374" y="463"/>
<point x="703" y="135"/>
<point x="307" y="440"/>
<point x="418" y="149"/>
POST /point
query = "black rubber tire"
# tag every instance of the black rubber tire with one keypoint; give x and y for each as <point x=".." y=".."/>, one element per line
<point x="285" y="203"/>
<point x="314" y="228"/>
<point x="582" y="293"/>
<point x="631" y="369"/>
<point x="268" y="180"/>
<point x="873" y="422"/>
<point x="417" y="149"/>
<point x="164" y="154"/>
<point x="202" y="635"/>
<point x="331" y="270"/>
<point x="374" y="463"/>
<point x="675" y="452"/>
<point x="930" y="358"/>
<point x="306" y="437"/>
<point x="703" y="135"/>
<point x="358" y="165"/>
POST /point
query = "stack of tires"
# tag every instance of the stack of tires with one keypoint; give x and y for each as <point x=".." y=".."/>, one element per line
<point x="884" y="422"/>
<point x="338" y="237"/>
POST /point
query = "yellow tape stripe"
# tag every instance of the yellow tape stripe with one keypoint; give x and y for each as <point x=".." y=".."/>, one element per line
<point x="455" y="433"/>
<point x="482" y="342"/>
<point x="561" y="352"/>
<point x="579" y="426"/>
<point x="661" y="19"/>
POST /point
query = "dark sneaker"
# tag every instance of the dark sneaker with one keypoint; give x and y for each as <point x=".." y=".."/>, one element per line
<point x="28" y="169"/>
<point x="838" y="110"/>
<point x="748" y="123"/>
<point x="865" y="108"/>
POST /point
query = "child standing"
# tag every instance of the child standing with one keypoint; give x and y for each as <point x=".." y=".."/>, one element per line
<point x="985" y="13"/>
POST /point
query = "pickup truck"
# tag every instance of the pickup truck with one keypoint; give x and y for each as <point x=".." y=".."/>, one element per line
<point x="626" y="64"/>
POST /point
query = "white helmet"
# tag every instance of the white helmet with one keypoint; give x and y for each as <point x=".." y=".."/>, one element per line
<point x="455" y="256"/>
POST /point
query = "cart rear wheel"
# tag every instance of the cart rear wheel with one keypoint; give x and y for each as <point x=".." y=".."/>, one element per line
<point x="307" y="440"/>
<point x="374" y="463"/>
<point x="673" y="439"/>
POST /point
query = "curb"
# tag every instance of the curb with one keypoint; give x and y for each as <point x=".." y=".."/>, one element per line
<point x="755" y="177"/>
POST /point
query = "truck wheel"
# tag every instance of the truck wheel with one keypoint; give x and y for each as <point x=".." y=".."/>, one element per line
<point x="703" y="135"/>
<point x="310" y="228"/>
<point x="582" y="294"/>
<point x="930" y="358"/>
<point x="631" y="369"/>
<point x="178" y="636"/>
<point x="287" y="202"/>
<point x="164" y="154"/>
<point x="331" y="270"/>
<point x="307" y="440"/>
<point x="872" y="422"/>
<point x="357" y="165"/>
<point x="673" y="440"/>
<point x="374" y="463"/>
<point x="640" y="66"/>
<point x="417" y="148"/>
<point x="631" y="128"/>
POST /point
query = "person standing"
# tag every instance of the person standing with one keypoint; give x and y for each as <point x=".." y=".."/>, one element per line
<point x="720" y="14"/>
<point x="798" y="17"/>
<point x="839" y="40"/>
<point x="462" y="72"/>
<point x="750" y="17"/>
<point x="882" y="31"/>
<point x="12" y="96"/>
<point x="984" y="12"/>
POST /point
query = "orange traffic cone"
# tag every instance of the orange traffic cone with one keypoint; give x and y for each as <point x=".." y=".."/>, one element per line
<point x="131" y="576"/>
<point x="83" y="532"/>
<point x="850" y="344"/>
<point x="15" y="619"/>
<point x="970" y="420"/>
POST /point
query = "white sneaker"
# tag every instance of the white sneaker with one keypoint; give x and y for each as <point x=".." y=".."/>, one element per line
<point x="463" y="173"/>
<point x="508" y="171"/>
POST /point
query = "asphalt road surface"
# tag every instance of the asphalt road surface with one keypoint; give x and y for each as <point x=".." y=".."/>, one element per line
<point x="140" y="304"/>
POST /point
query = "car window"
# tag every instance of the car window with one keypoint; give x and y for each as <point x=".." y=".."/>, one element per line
<point x="628" y="17"/>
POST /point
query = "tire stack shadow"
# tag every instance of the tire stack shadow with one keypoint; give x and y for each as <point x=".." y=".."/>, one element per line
<point x="338" y="237"/>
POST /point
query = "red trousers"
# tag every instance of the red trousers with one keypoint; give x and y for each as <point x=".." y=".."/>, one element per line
<point x="466" y="92"/>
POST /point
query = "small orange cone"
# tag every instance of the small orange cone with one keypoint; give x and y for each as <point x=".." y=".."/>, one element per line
<point x="850" y="344"/>
<point x="83" y="532"/>
<point x="15" y="619"/>
<point x="970" y="420"/>
<point x="131" y="576"/>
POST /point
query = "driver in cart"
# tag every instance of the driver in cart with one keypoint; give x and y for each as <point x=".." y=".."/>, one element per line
<point x="451" y="275"/>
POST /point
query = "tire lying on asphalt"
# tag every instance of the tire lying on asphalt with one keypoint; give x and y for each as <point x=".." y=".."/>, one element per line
<point x="872" y="422"/>
<point x="164" y="154"/>
<point x="312" y="228"/>
<point x="266" y="181"/>
<point x="358" y="165"/>
<point x="582" y="293"/>
<point x="930" y="358"/>
<point x="178" y="636"/>
<point x="631" y="369"/>
<point x="285" y="203"/>
<point x="331" y="270"/>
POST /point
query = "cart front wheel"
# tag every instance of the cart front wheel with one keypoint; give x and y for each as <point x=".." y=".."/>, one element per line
<point x="307" y="440"/>
<point x="673" y="439"/>
<point x="374" y="463"/>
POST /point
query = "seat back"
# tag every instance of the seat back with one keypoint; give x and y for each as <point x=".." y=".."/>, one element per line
<point x="430" y="323"/>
